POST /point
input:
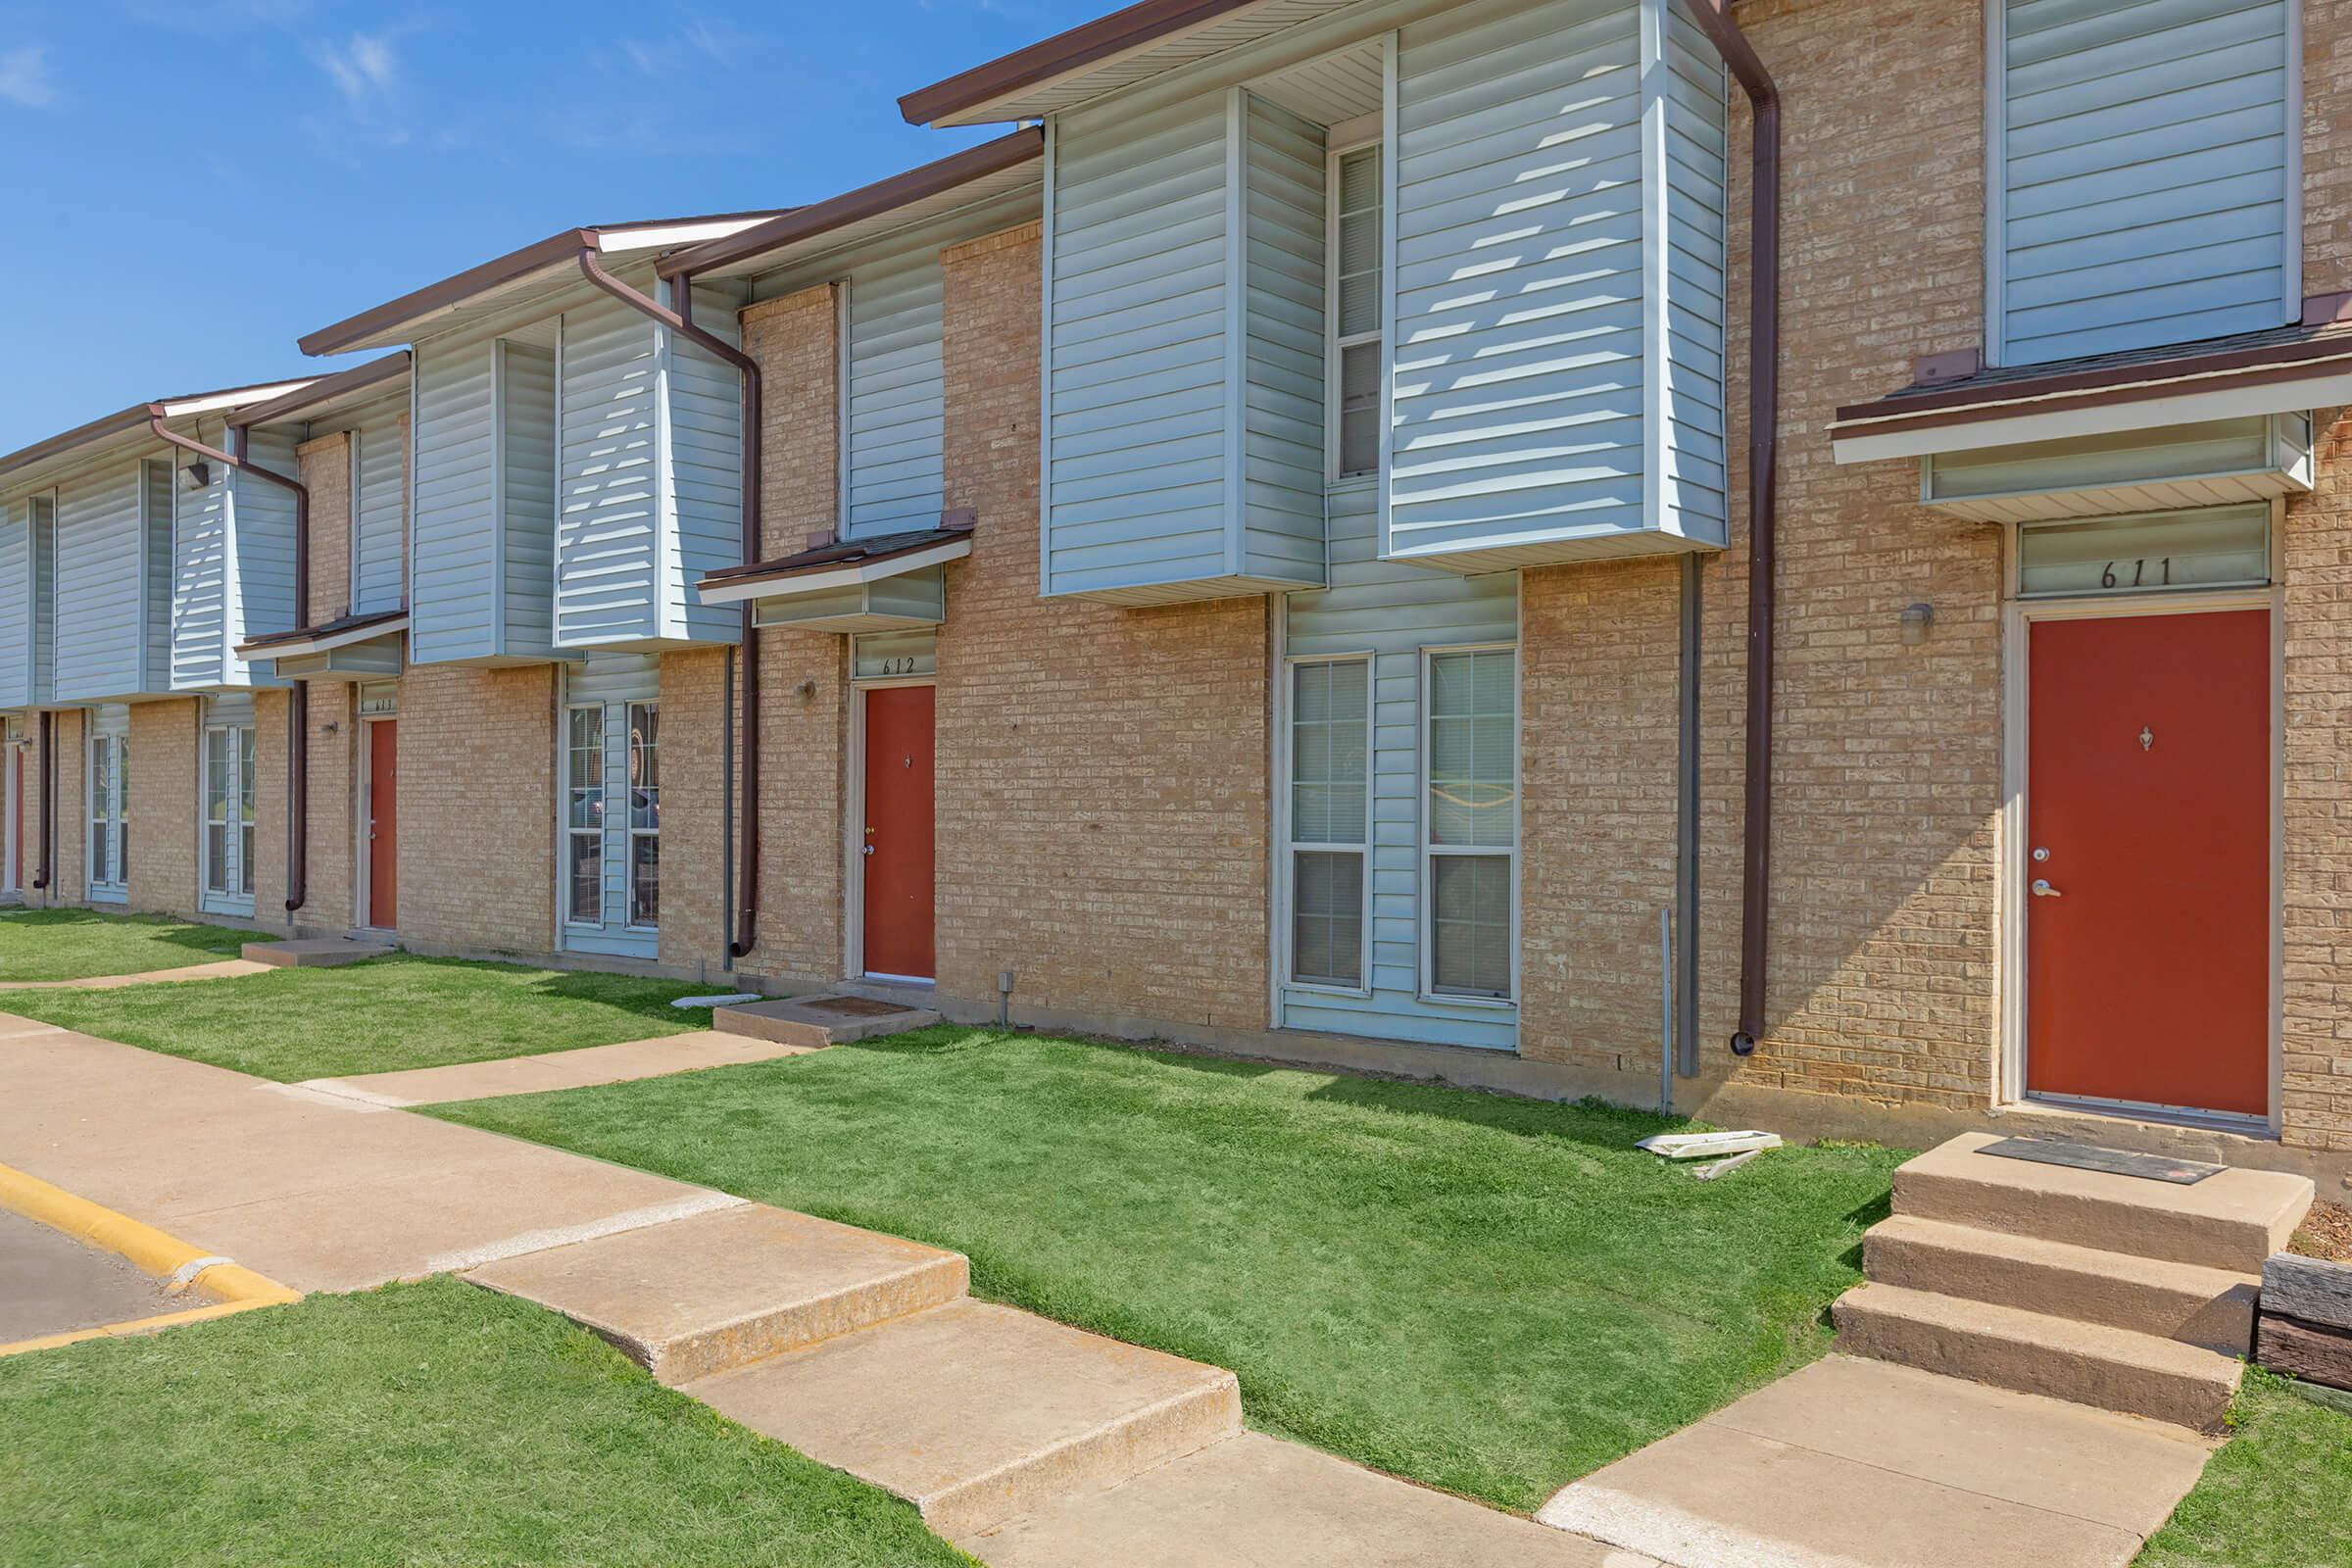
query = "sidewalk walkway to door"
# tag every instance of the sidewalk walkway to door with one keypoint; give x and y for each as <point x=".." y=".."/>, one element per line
<point x="224" y="970"/>
<point x="1033" y="1445"/>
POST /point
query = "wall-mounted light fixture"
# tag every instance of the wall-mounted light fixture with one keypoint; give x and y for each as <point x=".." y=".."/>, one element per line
<point x="1918" y="621"/>
<point x="195" y="476"/>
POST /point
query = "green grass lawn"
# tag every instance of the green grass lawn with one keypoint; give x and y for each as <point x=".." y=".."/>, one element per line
<point x="1488" y="1295"/>
<point x="2278" y="1495"/>
<point x="418" y="1424"/>
<point x="376" y="1016"/>
<point x="80" y="944"/>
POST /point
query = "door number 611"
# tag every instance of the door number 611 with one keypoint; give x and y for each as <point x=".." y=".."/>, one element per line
<point x="2139" y="574"/>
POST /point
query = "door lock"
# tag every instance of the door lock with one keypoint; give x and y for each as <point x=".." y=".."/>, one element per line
<point x="2043" y="890"/>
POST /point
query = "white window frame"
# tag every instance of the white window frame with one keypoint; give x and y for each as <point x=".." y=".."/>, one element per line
<point x="1997" y="180"/>
<point x="114" y="815"/>
<point x="630" y="830"/>
<point x="567" y="831"/>
<point x="1335" y="346"/>
<point x="1286" y="880"/>
<point x="1427" y="852"/>
<point x="236" y="895"/>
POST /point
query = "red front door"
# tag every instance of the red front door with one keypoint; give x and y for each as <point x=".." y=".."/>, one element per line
<point x="898" y="839"/>
<point x="2148" y="861"/>
<point x="383" y="823"/>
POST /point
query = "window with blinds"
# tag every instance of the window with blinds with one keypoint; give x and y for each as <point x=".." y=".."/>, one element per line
<point x="1355" y="292"/>
<point x="1471" y="820"/>
<point x="1329" y="811"/>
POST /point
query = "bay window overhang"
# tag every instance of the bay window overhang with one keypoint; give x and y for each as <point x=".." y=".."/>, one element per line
<point x="350" y="648"/>
<point x="892" y="582"/>
<point x="2221" y="422"/>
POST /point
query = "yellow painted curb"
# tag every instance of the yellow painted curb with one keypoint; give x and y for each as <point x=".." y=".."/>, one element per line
<point x="151" y="1251"/>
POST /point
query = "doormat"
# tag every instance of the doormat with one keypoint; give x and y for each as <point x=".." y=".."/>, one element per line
<point x="2114" y="1161"/>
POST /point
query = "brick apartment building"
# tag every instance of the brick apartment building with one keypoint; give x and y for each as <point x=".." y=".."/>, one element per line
<point x="1264" y="554"/>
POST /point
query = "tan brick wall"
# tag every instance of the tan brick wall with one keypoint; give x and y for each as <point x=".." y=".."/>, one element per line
<point x="477" y="809"/>
<point x="71" y="825"/>
<point x="330" y="804"/>
<point x="326" y="474"/>
<point x="2326" y="147"/>
<point x="1101" y="771"/>
<point x="162" y="798"/>
<point x="271" y="818"/>
<point x="2317" y="945"/>
<point x="693" y="899"/>
<point x="795" y="337"/>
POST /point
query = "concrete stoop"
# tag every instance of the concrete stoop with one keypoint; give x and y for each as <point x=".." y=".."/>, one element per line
<point x="315" y="953"/>
<point x="2120" y="1292"/>
<point x="815" y="1022"/>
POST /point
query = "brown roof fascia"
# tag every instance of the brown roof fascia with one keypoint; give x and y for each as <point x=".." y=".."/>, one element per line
<point x="328" y="628"/>
<point x="131" y="418"/>
<point x="392" y="366"/>
<point x="953" y="524"/>
<point x="553" y="249"/>
<point x="1065" y="52"/>
<point x="855" y="207"/>
<point x="2118" y="384"/>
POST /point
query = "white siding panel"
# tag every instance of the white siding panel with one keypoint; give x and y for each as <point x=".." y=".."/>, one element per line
<point x="1518" y="363"/>
<point x="1393" y="611"/>
<point x="1693" y="485"/>
<point x="606" y="532"/>
<point x="378" y="523"/>
<point x="896" y="408"/>
<point x="200" y="582"/>
<point x="705" y="414"/>
<point x="454" y="527"/>
<point x="2145" y="167"/>
<point x="261" y="550"/>
<point x="528" y="442"/>
<point x="1283" y="356"/>
<point x="100" y="584"/>
<point x="156" y="568"/>
<point x="16" y="603"/>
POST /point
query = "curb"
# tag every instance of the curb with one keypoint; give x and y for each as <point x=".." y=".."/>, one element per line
<point x="151" y="1251"/>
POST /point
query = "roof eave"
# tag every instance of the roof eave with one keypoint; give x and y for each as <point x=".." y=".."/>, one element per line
<point x="977" y="96"/>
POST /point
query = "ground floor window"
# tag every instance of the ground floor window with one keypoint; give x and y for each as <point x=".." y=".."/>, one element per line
<point x="1330" y="819"/>
<point x="584" y="816"/>
<point x="612" y="816"/>
<point x="110" y="814"/>
<point x="645" y="815"/>
<point x="229" y="810"/>
<point x="1470" y="823"/>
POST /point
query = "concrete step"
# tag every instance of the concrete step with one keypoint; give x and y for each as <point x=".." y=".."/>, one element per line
<point x="815" y="1023"/>
<point x="1256" y="1499"/>
<point x="717" y="1291"/>
<point x="2203" y="1306"/>
<point x="979" y="1414"/>
<point x="2231" y="1220"/>
<point x="2034" y="1352"/>
<point x="315" y="953"/>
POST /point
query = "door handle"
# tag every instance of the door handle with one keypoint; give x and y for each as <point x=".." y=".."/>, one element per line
<point x="866" y="850"/>
<point x="2043" y="890"/>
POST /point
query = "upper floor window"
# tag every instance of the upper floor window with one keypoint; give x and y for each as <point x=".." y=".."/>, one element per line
<point x="1358" y="360"/>
<point x="2143" y="175"/>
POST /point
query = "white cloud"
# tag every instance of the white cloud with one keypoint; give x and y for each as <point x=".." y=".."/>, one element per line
<point x="364" y="70"/>
<point x="26" y="78"/>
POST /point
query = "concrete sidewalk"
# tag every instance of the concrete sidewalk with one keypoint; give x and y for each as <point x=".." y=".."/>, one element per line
<point x="579" y="1068"/>
<point x="224" y="970"/>
<point x="323" y="1192"/>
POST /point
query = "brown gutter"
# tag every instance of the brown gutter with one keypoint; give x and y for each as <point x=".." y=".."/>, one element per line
<point x="1763" y="424"/>
<point x="1065" y="52"/>
<point x="549" y="252"/>
<point x="298" y="705"/>
<point x="681" y="322"/>
<point x="853" y="206"/>
<point x="392" y="366"/>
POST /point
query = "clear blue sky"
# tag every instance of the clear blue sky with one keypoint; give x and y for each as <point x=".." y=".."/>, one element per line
<point x="187" y="187"/>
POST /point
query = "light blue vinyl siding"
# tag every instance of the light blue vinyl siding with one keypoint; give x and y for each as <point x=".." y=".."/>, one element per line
<point x="895" y="409"/>
<point x="1394" y="611"/>
<point x="155" y="527"/>
<point x="526" y="426"/>
<point x="454" y="528"/>
<point x="705" y="429"/>
<point x="378" y="525"/>
<point x="1151" y="422"/>
<point x="261" y="555"/>
<point x="106" y="541"/>
<point x="612" y="681"/>
<point x="16" y="603"/>
<point x="1557" y="285"/>
<point x="41" y="517"/>
<point x="607" y="529"/>
<point x="200" y="584"/>
<point x="2144" y="168"/>
<point x="1283" y="356"/>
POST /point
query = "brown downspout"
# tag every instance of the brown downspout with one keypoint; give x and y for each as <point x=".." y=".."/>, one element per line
<point x="1763" y="421"/>
<point x="48" y="782"/>
<point x="681" y="322"/>
<point x="298" y="706"/>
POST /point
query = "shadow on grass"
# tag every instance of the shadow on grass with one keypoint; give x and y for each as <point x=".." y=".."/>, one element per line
<point x="164" y="931"/>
